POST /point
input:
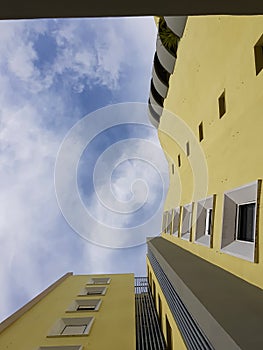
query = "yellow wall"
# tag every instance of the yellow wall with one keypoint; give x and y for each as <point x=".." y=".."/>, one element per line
<point x="114" y="325"/>
<point x="177" y="339"/>
<point x="215" y="54"/>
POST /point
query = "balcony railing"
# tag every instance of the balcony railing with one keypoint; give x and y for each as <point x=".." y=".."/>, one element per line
<point x="148" y="333"/>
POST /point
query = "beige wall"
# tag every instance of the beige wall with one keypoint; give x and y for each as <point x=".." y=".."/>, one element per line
<point x="216" y="54"/>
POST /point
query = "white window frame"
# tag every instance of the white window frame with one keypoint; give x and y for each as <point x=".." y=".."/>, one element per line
<point x="202" y="208"/>
<point x="99" y="280"/>
<point x="176" y="221"/>
<point x="85" y="291"/>
<point x="229" y="242"/>
<point x="74" y="306"/>
<point x="186" y="224"/>
<point x="169" y="221"/>
<point x="165" y="219"/>
<point x="59" y="326"/>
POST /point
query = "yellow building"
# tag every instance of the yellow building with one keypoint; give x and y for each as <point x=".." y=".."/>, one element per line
<point x="86" y="312"/>
<point x="76" y="312"/>
<point x="206" y="269"/>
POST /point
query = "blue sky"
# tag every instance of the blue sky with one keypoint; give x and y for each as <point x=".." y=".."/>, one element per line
<point x="53" y="73"/>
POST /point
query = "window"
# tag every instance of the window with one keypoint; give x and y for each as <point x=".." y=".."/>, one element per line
<point x="65" y="347"/>
<point x="84" y="305"/>
<point x="164" y="226"/>
<point x="179" y="160"/>
<point x="169" y="221"/>
<point x="201" y="131"/>
<point x="99" y="280"/>
<point x="93" y="291"/>
<point x="71" y="326"/>
<point x="204" y="221"/>
<point x="74" y="329"/>
<point x="187" y="222"/>
<point x="222" y="105"/>
<point x="258" y="53"/>
<point x="246" y="222"/>
<point x="172" y="168"/>
<point x="187" y="149"/>
<point x="176" y="221"/>
<point x="239" y="221"/>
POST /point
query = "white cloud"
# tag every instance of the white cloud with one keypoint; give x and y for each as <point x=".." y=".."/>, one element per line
<point x="36" y="244"/>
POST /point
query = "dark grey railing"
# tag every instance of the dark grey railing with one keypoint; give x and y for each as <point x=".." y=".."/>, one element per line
<point x="148" y="333"/>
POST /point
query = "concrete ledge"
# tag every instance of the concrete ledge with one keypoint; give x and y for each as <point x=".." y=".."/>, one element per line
<point x="225" y="306"/>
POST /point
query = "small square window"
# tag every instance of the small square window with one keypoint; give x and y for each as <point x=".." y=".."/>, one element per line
<point x="246" y="222"/>
<point x="222" y="105"/>
<point x="71" y="326"/>
<point x="84" y="305"/>
<point x="239" y="221"/>
<point x="186" y="222"/>
<point x="74" y="329"/>
<point x="86" y="308"/>
<point x="93" y="291"/>
<point x="99" y="280"/>
<point x="258" y="53"/>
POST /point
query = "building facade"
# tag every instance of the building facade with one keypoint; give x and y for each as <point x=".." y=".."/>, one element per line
<point x="206" y="269"/>
<point x="76" y="312"/>
<point x="87" y="312"/>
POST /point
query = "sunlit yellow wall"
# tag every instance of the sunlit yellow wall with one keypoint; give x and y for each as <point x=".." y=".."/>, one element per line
<point x="177" y="339"/>
<point x="216" y="53"/>
<point x="113" y="328"/>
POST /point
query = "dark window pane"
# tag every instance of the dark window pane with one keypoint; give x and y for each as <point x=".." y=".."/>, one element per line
<point x="246" y="226"/>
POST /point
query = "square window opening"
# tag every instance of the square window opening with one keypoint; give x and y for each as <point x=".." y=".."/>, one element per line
<point x="71" y="326"/>
<point x="84" y="305"/>
<point x="204" y="221"/>
<point x="93" y="291"/>
<point x="99" y="280"/>
<point x="74" y="329"/>
<point x="246" y="222"/>
<point x="239" y="229"/>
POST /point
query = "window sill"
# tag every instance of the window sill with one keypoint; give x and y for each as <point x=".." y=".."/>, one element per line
<point x="186" y="236"/>
<point x="240" y="249"/>
<point x="204" y="240"/>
